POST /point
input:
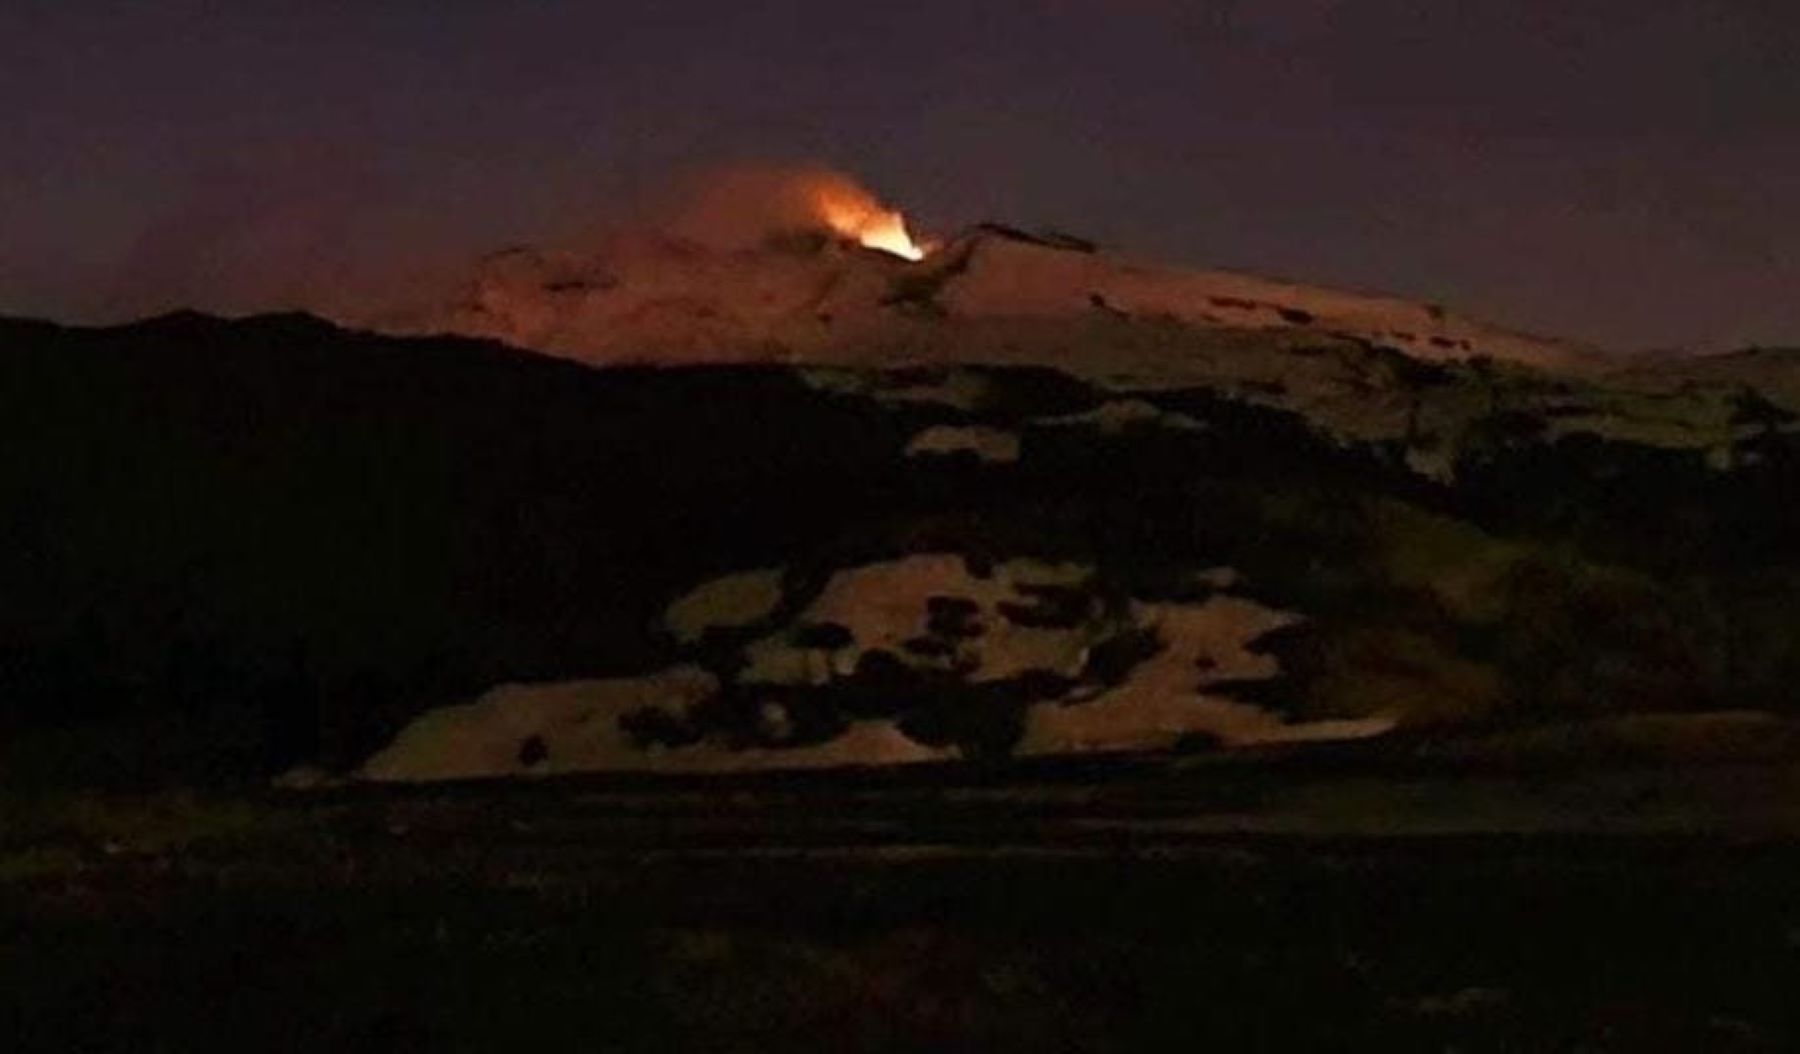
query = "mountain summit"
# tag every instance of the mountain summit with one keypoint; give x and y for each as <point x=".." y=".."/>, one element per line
<point x="993" y="294"/>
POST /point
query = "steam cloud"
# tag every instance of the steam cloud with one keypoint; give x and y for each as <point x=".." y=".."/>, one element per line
<point x="322" y="231"/>
<point x="738" y="206"/>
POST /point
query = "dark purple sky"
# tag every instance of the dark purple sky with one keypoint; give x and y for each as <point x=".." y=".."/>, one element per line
<point x="1626" y="172"/>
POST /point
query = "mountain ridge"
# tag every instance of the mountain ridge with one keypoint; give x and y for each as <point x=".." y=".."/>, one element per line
<point x="809" y="297"/>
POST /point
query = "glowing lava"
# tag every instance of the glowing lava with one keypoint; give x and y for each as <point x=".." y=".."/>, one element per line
<point x="853" y="214"/>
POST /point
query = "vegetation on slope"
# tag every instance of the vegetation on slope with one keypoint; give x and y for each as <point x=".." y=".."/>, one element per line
<point x="272" y="541"/>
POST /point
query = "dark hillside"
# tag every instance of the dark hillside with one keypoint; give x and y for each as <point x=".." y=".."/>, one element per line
<point x="273" y="540"/>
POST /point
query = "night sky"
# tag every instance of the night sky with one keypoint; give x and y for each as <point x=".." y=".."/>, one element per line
<point x="1624" y="172"/>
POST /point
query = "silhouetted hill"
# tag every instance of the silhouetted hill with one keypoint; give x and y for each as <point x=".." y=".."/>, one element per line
<point x="276" y="506"/>
<point x="307" y="536"/>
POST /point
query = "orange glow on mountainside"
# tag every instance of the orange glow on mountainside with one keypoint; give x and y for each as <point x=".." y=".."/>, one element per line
<point x="856" y="215"/>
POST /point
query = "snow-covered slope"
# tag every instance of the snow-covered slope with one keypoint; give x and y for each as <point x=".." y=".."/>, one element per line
<point x="853" y="679"/>
<point x="812" y="298"/>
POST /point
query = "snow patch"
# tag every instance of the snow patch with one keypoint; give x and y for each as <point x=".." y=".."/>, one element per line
<point x="991" y="445"/>
<point x="538" y="729"/>
<point x="885" y="606"/>
<point x="730" y="602"/>
<point x="1118" y="415"/>
<point x="1163" y="701"/>
<point x="932" y="612"/>
<point x="573" y="726"/>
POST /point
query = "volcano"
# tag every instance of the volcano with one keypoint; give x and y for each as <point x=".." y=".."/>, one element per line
<point x="819" y="493"/>
<point x="991" y="294"/>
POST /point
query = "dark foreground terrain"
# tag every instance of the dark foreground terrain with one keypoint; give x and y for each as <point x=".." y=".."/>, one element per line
<point x="230" y="550"/>
<point x="1143" y="910"/>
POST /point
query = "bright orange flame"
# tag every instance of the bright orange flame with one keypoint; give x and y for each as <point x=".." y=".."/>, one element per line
<point x="855" y="215"/>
